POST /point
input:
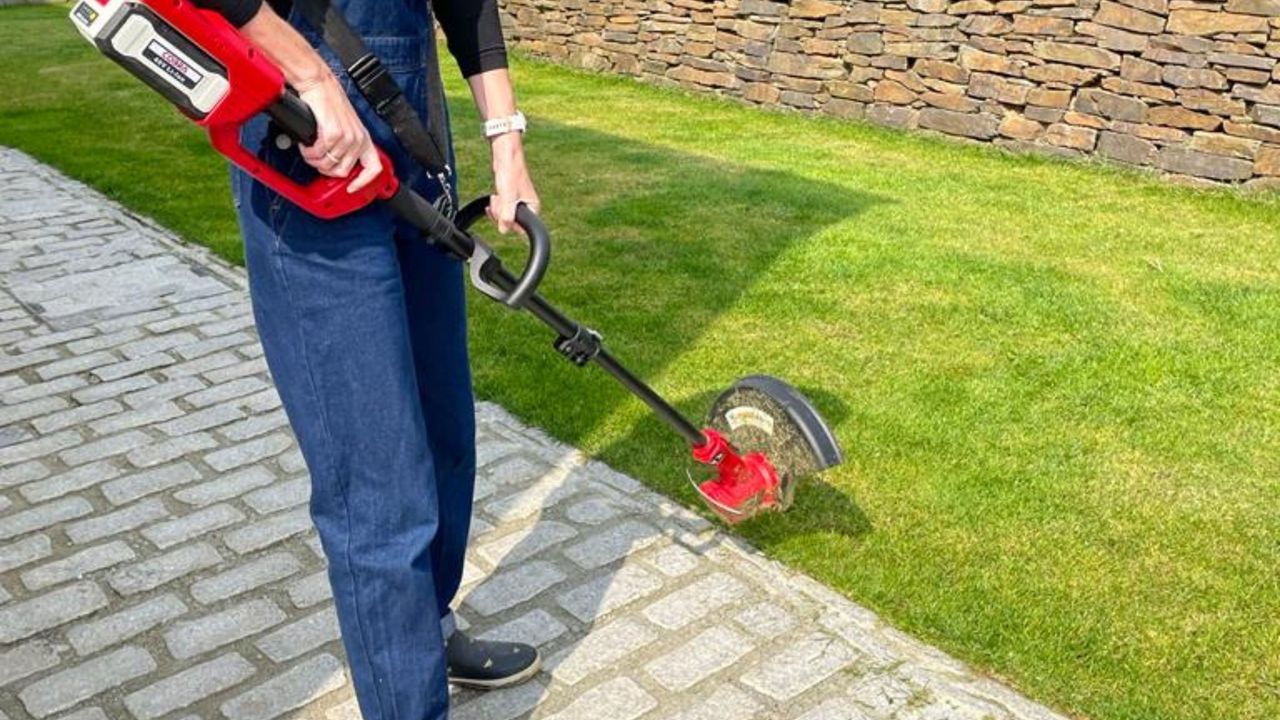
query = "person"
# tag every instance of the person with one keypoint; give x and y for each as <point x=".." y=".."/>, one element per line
<point x="363" y="328"/>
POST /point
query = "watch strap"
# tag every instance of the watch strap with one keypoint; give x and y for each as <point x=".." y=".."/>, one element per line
<point x="501" y="125"/>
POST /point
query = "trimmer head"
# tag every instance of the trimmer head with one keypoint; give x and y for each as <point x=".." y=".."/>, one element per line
<point x="762" y="437"/>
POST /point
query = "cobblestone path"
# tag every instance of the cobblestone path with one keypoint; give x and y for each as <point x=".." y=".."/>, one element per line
<point x="157" y="560"/>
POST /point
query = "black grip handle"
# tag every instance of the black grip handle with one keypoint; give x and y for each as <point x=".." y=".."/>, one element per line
<point x="539" y="255"/>
<point x="539" y="250"/>
<point x="294" y="117"/>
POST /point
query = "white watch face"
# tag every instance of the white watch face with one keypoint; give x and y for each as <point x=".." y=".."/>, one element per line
<point x="499" y="126"/>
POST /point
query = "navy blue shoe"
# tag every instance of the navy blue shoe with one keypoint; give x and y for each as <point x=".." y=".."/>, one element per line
<point x="488" y="665"/>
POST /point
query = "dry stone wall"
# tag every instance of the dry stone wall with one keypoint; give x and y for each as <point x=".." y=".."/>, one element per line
<point x="1188" y="88"/>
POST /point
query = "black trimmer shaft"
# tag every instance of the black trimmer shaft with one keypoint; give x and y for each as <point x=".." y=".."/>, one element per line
<point x="578" y="342"/>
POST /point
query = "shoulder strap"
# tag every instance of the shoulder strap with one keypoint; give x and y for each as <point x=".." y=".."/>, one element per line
<point x="426" y="144"/>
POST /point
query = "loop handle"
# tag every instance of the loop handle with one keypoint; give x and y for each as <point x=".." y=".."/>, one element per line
<point x="483" y="261"/>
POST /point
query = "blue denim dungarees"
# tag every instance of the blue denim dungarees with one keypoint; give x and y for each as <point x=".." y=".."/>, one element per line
<point x="364" y="330"/>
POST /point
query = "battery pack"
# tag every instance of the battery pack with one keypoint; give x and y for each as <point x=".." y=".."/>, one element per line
<point x="153" y="51"/>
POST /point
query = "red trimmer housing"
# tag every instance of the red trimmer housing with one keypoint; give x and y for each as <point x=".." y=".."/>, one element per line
<point x="198" y="61"/>
<point x="744" y="485"/>
<point x="762" y="437"/>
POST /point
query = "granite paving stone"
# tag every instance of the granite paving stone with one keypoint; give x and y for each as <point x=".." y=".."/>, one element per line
<point x="145" y="482"/>
<point x="24" y="551"/>
<point x="119" y="521"/>
<point x="189" y="638"/>
<point x="67" y="687"/>
<point x="244" y="578"/>
<point x="26" y="659"/>
<point x="695" y="601"/>
<point x="605" y="593"/>
<point x="42" y="516"/>
<point x="516" y="585"/>
<point x="300" y="636"/>
<point x="192" y="525"/>
<point x="301" y="684"/>
<point x="726" y="701"/>
<point x="803" y="663"/>
<point x="189" y="686"/>
<point x="708" y="652"/>
<point x="619" y="699"/>
<point x="536" y="627"/>
<point x="159" y="570"/>
<point x="78" y="565"/>
<point x="91" y="636"/>
<point x="23" y="618"/>
<point x="525" y="543"/>
<point x="70" y="481"/>
<point x="606" y="647"/>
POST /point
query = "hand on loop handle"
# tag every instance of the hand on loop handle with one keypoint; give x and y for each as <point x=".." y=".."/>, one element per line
<point x="484" y="262"/>
<point x="511" y="180"/>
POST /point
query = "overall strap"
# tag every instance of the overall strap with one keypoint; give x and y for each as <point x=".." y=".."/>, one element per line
<point x="426" y="143"/>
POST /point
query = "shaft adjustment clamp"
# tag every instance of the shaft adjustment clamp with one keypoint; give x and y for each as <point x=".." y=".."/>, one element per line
<point x="581" y="348"/>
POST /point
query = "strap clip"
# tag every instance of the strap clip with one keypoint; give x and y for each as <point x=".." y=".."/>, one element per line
<point x="446" y="203"/>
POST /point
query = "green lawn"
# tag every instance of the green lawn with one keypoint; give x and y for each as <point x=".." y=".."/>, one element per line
<point x="1057" y="385"/>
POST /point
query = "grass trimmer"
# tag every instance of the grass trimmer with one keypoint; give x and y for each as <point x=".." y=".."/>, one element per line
<point x="761" y="435"/>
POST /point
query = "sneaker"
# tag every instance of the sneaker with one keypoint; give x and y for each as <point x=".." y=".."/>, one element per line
<point x="488" y="665"/>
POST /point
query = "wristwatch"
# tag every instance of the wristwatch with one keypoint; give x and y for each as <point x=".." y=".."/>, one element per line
<point x="511" y="123"/>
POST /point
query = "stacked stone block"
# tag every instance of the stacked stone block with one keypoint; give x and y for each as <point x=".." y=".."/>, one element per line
<point x="1185" y="87"/>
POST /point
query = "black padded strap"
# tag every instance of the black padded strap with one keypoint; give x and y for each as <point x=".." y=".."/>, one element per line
<point x="426" y="144"/>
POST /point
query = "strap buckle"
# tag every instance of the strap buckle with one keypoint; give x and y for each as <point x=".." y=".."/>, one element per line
<point x="447" y="204"/>
<point x="374" y="82"/>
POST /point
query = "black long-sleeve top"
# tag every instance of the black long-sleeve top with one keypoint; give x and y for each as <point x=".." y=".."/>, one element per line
<point x="471" y="27"/>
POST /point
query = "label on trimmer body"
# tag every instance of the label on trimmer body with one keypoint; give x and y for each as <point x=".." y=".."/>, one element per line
<point x="171" y="64"/>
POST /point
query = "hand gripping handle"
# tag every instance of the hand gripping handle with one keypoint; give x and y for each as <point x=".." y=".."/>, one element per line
<point x="257" y="86"/>
<point x="484" y="263"/>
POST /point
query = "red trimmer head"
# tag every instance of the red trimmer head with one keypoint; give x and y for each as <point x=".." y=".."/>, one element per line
<point x="744" y="485"/>
<point x="762" y="437"/>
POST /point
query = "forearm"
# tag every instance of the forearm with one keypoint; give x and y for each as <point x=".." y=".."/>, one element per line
<point x="302" y="66"/>
<point x="475" y="40"/>
<point x="493" y="92"/>
<point x="495" y="97"/>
